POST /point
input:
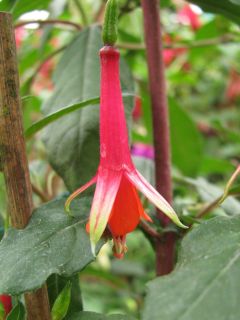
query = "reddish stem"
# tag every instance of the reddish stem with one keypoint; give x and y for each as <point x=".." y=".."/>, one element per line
<point x="165" y="248"/>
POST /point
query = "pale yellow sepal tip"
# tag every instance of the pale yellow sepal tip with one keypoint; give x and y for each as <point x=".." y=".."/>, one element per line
<point x="179" y="223"/>
<point x="93" y="249"/>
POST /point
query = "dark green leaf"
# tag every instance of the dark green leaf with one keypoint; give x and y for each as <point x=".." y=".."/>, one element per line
<point x="72" y="142"/>
<point x="205" y="283"/>
<point x="230" y="9"/>
<point x="17" y="313"/>
<point x="52" y="243"/>
<point x="61" y="305"/>
<point x="235" y="190"/>
<point x="97" y="316"/>
<point x="187" y="146"/>
<point x="56" y="284"/>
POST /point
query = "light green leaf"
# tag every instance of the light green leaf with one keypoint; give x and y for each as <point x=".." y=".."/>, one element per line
<point x="18" y="7"/>
<point x="37" y="126"/>
<point x="72" y="142"/>
<point x="61" y="304"/>
<point x="235" y="2"/>
<point x="97" y="316"/>
<point x="228" y="8"/>
<point x="205" y="283"/>
<point x="2" y="311"/>
<point x="210" y="192"/>
<point x="52" y="243"/>
<point x="57" y="115"/>
<point x="186" y="142"/>
<point x="22" y="6"/>
<point x="17" y="313"/>
<point x="56" y="284"/>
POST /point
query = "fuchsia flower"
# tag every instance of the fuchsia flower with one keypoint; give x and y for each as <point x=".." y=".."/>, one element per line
<point x="116" y="204"/>
<point x="187" y="16"/>
<point x="143" y="150"/>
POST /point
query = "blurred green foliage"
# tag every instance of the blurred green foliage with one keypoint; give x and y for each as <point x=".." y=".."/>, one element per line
<point x="203" y="80"/>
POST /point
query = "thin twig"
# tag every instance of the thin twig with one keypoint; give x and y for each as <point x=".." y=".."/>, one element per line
<point x="225" y="39"/>
<point x="217" y="202"/>
<point x="49" y="21"/>
<point x="39" y="193"/>
<point x="98" y="17"/>
<point x="149" y="230"/>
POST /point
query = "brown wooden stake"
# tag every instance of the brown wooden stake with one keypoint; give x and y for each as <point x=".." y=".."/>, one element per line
<point x="13" y="153"/>
<point x="165" y="248"/>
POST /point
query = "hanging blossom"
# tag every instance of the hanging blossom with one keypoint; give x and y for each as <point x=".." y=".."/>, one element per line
<point x="116" y="205"/>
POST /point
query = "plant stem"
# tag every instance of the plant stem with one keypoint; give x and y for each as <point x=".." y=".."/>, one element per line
<point x="165" y="248"/>
<point x="13" y="153"/>
<point x="224" y="39"/>
<point x="49" y="21"/>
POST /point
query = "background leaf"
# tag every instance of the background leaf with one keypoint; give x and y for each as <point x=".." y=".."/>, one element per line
<point x="18" y="7"/>
<point x="52" y="243"/>
<point x="17" y="313"/>
<point x="205" y="283"/>
<point x="72" y="143"/>
<point x="186" y="141"/>
<point x="61" y="304"/>
<point x="210" y="192"/>
<point x="56" y="284"/>
<point x="97" y="316"/>
<point x="228" y="8"/>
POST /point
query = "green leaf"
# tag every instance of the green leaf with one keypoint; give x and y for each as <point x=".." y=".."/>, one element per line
<point x="18" y="7"/>
<point x="230" y="9"/>
<point x="205" y="283"/>
<point x="57" y="115"/>
<point x="186" y="142"/>
<point x="56" y="284"/>
<point x="72" y="142"/>
<point x="23" y="6"/>
<point x="60" y="307"/>
<point x="97" y="316"/>
<point x="17" y="313"/>
<point x="210" y="192"/>
<point x="52" y="243"/>
<point x="37" y="126"/>
<point x="235" y="2"/>
<point x="2" y="311"/>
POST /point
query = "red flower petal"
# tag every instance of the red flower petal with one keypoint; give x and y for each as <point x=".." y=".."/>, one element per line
<point x="108" y="182"/>
<point x="126" y="211"/>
